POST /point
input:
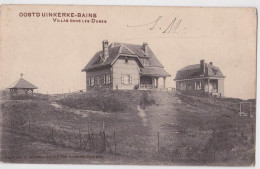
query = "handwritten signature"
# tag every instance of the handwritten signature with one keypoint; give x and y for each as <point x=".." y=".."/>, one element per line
<point x="172" y="27"/>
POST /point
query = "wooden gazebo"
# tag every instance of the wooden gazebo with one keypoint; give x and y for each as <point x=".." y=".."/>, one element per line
<point x="21" y="86"/>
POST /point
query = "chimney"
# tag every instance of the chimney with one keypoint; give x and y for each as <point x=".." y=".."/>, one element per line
<point x="145" y="47"/>
<point x="202" y="67"/>
<point x="211" y="63"/>
<point x="105" y="50"/>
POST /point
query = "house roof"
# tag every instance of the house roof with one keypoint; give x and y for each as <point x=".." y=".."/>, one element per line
<point x="22" y="84"/>
<point x="154" y="71"/>
<point x="115" y="49"/>
<point x="94" y="62"/>
<point x="194" y="71"/>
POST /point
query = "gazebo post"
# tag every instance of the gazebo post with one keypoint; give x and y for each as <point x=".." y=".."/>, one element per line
<point x="157" y="82"/>
<point x="208" y="86"/>
<point x="164" y="82"/>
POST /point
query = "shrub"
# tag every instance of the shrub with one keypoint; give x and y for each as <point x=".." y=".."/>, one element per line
<point x="97" y="103"/>
<point x="136" y="87"/>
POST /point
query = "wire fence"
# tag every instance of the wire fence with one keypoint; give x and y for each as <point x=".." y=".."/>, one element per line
<point x="219" y="144"/>
<point x="76" y="139"/>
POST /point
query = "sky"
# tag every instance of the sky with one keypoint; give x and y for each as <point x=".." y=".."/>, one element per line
<point x="52" y="54"/>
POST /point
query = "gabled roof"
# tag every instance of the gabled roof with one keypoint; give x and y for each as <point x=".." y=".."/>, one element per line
<point x="22" y="84"/>
<point x="94" y="62"/>
<point x="115" y="49"/>
<point x="194" y="71"/>
<point x="152" y="59"/>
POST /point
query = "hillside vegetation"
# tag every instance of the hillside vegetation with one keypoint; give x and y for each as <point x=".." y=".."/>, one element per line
<point x="112" y="101"/>
<point x="192" y="130"/>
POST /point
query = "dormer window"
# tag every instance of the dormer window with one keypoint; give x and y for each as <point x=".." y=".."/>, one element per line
<point x="145" y="62"/>
<point x="215" y="71"/>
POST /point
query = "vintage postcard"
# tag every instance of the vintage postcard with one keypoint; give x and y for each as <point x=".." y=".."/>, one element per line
<point x="128" y="85"/>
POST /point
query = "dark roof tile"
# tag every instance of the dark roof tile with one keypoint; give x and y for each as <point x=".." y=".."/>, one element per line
<point x="120" y="48"/>
<point x="193" y="71"/>
<point x="22" y="84"/>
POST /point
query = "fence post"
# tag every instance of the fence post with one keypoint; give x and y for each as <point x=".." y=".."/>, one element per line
<point x="105" y="138"/>
<point x="251" y="115"/>
<point x="252" y="138"/>
<point x="240" y="109"/>
<point x="106" y="143"/>
<point x="52" y="133"/>
<point x="79" y="139"/>
<point x="29" y="126"/>
<point x="158" y="135"/>
<point x="115" y="140"/>
<point x="214" y="155"/>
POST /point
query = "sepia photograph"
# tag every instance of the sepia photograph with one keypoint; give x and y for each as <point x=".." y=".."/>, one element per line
<point x="128" y="85"/>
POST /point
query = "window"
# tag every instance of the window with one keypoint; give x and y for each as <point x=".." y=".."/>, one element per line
<point x="197" y="85"/>
<point x="104" y="79"/>
<point x="107" y="79"/>
<point x="126" y="79"/>
<point x="97" y="80"/>
<point x="145" y="62"/>
<point x="189" y="87"/>
<point x="215" y="71"/>
<point x="183" y="86"/>
<point x="92" y="81"/>
<point x="214" y="86"/>
<point x="89" y="84"/>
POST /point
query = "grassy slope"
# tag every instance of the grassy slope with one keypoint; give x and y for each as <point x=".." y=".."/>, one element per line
<point x="185" y="124"/>
<point x="195" y="118"/>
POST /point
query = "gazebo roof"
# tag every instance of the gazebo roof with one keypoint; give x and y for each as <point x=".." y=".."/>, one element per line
<point x="22" y="84"/>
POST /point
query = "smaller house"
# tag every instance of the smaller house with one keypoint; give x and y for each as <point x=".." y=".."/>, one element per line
<point x="200" y="79"/>
<point x="21" y="87"/>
